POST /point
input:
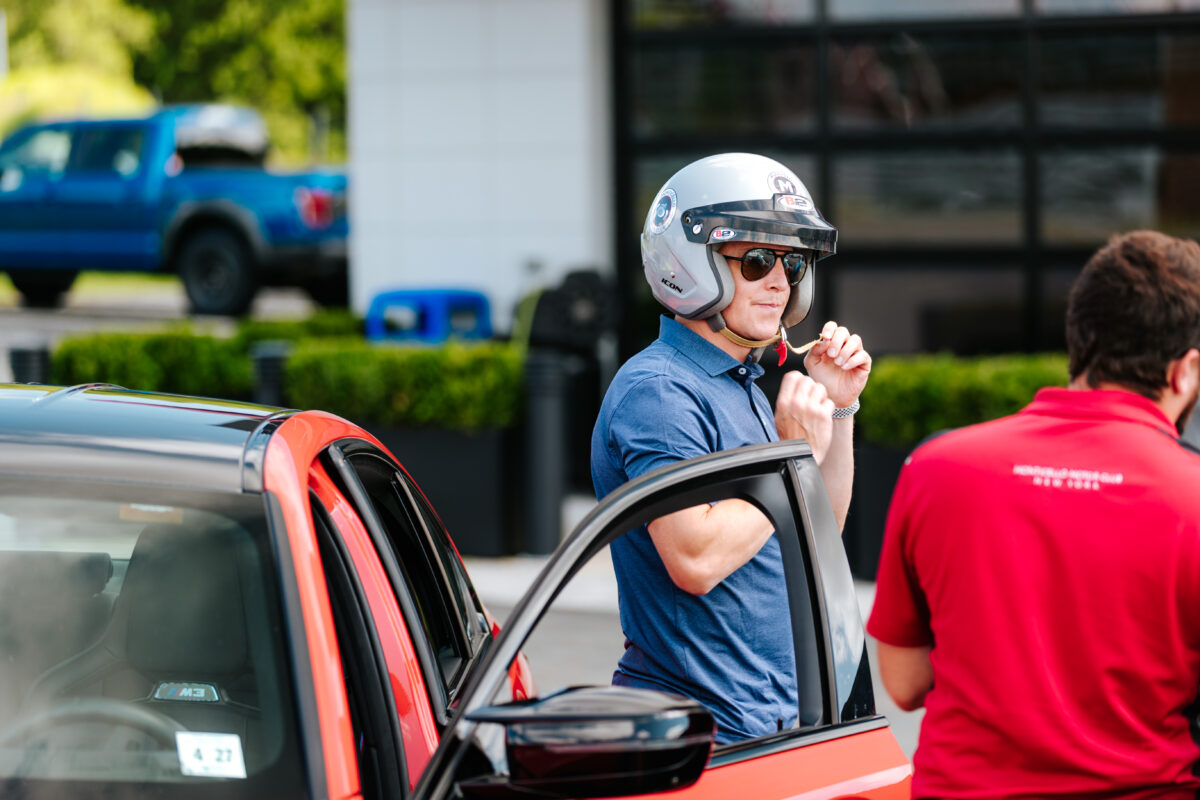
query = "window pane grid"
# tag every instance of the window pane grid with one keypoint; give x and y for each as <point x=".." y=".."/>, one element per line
<point x="998" y="132"/>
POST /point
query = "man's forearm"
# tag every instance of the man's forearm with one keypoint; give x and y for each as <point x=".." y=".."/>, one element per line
<point x="906" y="672"/>
<point x="838" y="468"/>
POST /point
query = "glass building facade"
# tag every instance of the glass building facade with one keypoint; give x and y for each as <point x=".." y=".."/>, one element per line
<point x="972" y="153"/>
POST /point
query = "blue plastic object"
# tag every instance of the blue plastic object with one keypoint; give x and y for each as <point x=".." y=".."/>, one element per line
<point x="429" y="315"/>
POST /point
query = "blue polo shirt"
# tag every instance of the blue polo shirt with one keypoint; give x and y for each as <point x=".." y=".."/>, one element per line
<point x="730" y="649"/>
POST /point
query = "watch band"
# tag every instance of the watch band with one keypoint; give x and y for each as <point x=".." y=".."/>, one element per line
<point x="848" y="411"/>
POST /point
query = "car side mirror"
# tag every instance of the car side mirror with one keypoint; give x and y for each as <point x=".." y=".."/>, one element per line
<point x="598" y="741"/>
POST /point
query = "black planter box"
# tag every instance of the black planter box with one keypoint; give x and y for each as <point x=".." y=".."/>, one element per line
<point x="876" y="469"/>
<point x="471" y="479"/>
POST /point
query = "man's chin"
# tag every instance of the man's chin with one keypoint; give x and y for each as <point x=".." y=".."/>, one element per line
<point x="766" y="329"/>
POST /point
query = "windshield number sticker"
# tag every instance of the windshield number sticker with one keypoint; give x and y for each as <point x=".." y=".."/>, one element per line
<point x="210" y="755"/>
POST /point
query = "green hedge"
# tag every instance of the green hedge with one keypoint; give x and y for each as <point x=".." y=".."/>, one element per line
<point x="178" y="361"/>
<point x="455" y="385"/>
<point x="467" y="386"/>
<point x="326" y="323"/>
<point x="910" y="397"/>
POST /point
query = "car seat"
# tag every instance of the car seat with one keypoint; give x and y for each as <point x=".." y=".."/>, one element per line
<point x="189" y="637"/>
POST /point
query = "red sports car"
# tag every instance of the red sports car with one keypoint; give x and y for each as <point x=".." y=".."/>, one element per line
<point x="209" y="599"/>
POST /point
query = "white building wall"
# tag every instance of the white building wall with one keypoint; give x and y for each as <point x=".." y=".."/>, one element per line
<point x="479" y="138"/>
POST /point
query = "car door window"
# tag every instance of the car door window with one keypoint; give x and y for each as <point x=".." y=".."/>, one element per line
<point x="465" y="603"/>
<point x="107" y="149"/>
<point x="447" y="637"/>
<point x="726" y="648"/>
<point x="832" y="696"/>
<point x="422" y="571"/>
<point x="45" y="150"/>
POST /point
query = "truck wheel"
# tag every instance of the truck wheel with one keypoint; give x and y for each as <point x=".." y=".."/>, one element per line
<point x="217" y="273"/>
<point x="42" y="288"/>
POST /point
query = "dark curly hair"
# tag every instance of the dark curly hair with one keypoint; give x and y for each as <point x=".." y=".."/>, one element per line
<point x="1133" y="309"/>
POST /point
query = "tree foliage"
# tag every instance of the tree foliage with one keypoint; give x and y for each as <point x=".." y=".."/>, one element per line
<point x="285" y="58"/>
<point x="70" y="57"/>
<point x="100" y="35"/>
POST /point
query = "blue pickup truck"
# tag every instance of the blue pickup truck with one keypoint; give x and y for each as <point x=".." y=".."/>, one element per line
<point x="182" y="190"/>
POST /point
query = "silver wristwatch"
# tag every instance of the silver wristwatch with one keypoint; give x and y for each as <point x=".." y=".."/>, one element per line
<point x="848" y="411"/>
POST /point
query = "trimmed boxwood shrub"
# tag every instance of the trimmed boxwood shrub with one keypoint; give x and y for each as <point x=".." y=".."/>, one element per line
<point x="181" y="361"/>
<point x="325" y="323"/>
<point x="455" y="385"/>
<point x="177" y="361"/>
<point x="910" y="397"/>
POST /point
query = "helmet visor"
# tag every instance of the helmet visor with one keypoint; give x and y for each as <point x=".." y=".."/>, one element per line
<point x="788" y="220"/>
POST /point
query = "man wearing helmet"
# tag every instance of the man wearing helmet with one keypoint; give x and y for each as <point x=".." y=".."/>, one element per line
<point x="730" y="247"/>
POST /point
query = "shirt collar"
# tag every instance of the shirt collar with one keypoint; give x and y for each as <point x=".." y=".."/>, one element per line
<point x="704" y="353"/>
<point x="1109" y="404"/>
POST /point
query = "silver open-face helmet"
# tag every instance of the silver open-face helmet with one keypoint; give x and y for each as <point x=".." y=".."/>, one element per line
<point x="732" y="197"/>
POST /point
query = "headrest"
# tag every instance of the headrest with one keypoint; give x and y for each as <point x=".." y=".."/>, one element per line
<point x="77" y="574"/>
<point x="185" y="604"/>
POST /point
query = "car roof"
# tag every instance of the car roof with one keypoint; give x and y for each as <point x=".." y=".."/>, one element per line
<point x="99" y="432"/>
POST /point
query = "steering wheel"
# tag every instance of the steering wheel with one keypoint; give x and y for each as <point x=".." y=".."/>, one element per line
<point x="154" y="724"/>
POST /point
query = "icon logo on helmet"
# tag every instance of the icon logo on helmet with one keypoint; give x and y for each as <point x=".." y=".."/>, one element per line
<point x="670" y="285"/>
<point x="664" y="211"/>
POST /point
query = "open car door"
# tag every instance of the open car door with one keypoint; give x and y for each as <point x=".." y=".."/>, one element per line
<point x="605" y="741"/>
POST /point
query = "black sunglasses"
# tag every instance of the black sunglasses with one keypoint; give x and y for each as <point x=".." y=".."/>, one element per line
<point x="758" y="262"/>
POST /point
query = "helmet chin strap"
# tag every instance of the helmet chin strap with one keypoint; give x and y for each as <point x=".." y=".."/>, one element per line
<point x="717" y="323"/>
<point x="751" y="343"/>
<point x="757" y="346"/>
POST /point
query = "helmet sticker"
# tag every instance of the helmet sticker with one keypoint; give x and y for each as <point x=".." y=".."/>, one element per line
<point x="664" y="211"/>
<point x="795" y="202"/>
<point x="723" y="234"/>
<point x="781" y="184"/>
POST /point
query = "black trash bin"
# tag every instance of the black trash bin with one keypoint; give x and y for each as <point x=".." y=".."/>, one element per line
<point x="563" y="393"/>
<point x="30" y="363"/>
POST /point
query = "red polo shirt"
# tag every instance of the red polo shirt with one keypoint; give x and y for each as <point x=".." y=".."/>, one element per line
<point x="1052" y="559"/>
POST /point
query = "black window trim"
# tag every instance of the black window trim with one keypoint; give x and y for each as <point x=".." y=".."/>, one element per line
<point x="440" y="698"/>
<point x="418" y="522"/>
<point x="419" y="502"/>
<point x="473" y="647"/>
<point x="444" y="598"/>
<point x="791" y="740"/>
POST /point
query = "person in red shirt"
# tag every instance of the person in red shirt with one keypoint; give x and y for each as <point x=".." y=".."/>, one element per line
<point x="1039" y="586"/>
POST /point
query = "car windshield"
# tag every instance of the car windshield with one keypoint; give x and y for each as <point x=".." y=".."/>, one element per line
<point x="141" y="640"/>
